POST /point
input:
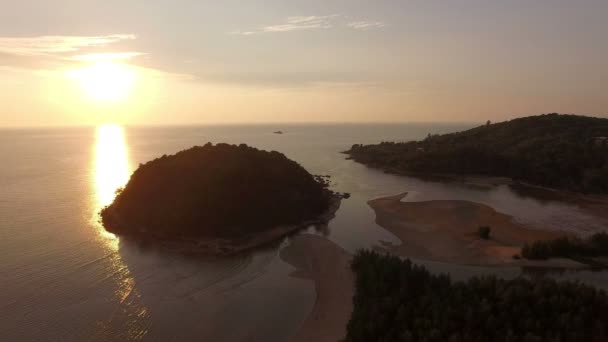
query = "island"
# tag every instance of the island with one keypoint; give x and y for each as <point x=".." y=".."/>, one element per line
<point x="568" y="152"/>
<point x="219" y="200"/>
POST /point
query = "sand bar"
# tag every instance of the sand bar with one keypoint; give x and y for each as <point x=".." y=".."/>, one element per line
<point x="446" y="231"/>
<point x="328" y="265"/>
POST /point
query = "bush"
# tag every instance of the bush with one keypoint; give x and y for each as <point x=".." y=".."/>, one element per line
<point x="567" y="247"/>
<point x="484" y="232"/>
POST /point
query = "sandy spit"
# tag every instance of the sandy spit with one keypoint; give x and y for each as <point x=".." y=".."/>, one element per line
<point x="446" y="231"/>
<point x="328" y="265"/>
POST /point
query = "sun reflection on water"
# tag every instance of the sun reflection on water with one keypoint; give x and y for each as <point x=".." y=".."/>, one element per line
<point x="111" y="163"/>
<point x="111" y="171"/>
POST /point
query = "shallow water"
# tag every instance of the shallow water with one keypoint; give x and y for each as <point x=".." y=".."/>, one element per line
<point x="63" y="278"/>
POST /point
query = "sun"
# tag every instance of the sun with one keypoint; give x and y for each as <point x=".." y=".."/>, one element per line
<point x="105" y="80"/>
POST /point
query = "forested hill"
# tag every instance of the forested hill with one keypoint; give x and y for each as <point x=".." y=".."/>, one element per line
<point x="559" y="151"/>
<point x="216" y="191"/>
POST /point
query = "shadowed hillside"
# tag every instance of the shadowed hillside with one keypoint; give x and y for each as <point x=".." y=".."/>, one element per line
<point x="559" y="151"/>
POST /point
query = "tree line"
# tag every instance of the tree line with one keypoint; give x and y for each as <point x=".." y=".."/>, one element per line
<point x="552" y="150"/>
<point x="567" y="247"/>
<point x="396" y="300"/>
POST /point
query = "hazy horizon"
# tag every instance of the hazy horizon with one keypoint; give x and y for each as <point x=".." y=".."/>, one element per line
<point x="266" y="123"/>
<point x="70" y="63"/>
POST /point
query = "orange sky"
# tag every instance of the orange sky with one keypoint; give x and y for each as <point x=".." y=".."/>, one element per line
<point x="81" y="63"/>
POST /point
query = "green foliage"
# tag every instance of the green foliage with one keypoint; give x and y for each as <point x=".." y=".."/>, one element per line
<point x="396" y="300"/>
<point x="219" y="191"/>
<point x="595" y="246"/>
<point x="559" y="151"/>
<point x="484" y="232"/>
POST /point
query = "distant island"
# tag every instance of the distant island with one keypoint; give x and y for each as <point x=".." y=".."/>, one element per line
<point x="219" y="199"/>
<point x="567" y="152"/>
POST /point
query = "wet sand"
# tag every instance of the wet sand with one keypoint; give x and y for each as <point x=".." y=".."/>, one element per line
<point x="446" y="231"/>
<point x="328" y="265"/>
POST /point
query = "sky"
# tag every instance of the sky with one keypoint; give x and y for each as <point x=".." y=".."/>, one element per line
<point x="73" y="62"/>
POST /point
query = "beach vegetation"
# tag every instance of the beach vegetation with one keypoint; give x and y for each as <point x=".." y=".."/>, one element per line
<point x="484" y="232"/>
<point x="567" y="247"/>
<point x="397" y="300"/>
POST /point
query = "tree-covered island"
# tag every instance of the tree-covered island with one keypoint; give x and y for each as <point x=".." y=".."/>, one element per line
<point x="219" y="199"/>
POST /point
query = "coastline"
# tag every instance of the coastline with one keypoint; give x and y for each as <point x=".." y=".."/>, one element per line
<point x="443" y="231"/>
<point x="328" y="265"/>
<point x="220" y="247"/>
<point x="469" y="179"/>
<point x="480" y="180"/>
<point x="446" y="231"/>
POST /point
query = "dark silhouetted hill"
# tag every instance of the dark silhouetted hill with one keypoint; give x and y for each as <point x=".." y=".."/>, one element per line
<point x="558" y="151"/>
<point x="225" y="191"/>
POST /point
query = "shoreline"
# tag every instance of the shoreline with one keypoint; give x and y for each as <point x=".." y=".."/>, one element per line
<point x="446" y="231"/>
<point x="443" y="231"/>
<point x="221" y="247"/>
<point x="328" y="266"/>
<point x="486" y="181"/>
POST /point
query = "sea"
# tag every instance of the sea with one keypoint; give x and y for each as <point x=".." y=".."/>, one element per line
<point x="64" y="278"/>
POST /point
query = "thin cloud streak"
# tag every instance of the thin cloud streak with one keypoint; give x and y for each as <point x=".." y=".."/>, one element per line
<point x="49" y="45"/>
<point x="298" y="23"/>
<point x="294" y="23"/>
<point x="303" y="23"/>
<point x="54" y="52"/>
<point x="366" y="25"/>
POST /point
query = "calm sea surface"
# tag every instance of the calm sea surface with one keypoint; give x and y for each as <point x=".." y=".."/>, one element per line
<point x="63" y="278"/>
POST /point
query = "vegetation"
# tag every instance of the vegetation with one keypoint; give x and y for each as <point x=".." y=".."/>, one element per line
<point x="567" y="247"/>
<point x="558" y="151"/>
<point x="484" y="232"/>
<point x="216" y="191"/>
<point x="396" y="300"/>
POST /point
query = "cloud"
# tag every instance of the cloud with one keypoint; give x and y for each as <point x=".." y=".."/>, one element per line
<point x="303" y="23"/>
<point x="365" y="25"/>
<point x="52" y="52"/>
<point x="298" y="23"/>
<point x="295" y="23"/>
<point x="50" y="45"/>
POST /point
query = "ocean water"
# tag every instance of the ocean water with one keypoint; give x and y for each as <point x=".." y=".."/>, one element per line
<point x="62" y="277"/>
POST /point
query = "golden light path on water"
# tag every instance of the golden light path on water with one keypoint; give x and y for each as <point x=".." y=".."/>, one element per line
<point x="111" y="163"/>
<point x="111" y="171"/>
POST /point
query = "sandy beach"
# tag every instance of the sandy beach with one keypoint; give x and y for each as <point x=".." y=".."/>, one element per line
<point x="446" y="231"/>
<point x="328" y="265"/>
